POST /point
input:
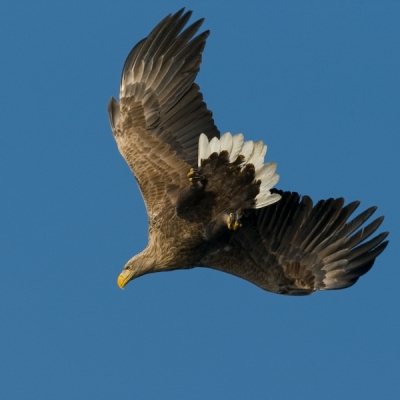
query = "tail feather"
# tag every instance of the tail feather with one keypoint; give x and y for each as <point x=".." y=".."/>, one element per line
<point x="247" y="153"/>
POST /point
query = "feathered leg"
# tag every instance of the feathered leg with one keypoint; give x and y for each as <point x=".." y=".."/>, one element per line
<point x="190" y="196"/>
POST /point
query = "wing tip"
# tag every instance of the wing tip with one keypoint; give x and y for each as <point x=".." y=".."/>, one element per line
<point x="113" y="112"/>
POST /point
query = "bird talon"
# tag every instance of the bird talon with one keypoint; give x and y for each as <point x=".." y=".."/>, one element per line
<point x="236" y="225"/>
<point x="233" y="222"/>
<point x="194" y="175"/>
<point x="191" y="173"/>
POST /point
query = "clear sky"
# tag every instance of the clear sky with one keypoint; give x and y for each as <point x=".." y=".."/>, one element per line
<point x="318" y="81"/>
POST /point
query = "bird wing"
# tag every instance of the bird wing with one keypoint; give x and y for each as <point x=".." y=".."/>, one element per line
<point x="292" y="247"/>
<point x="161" y="112"/>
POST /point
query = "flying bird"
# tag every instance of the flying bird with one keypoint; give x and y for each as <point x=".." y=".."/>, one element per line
<point x="210" y="198"/>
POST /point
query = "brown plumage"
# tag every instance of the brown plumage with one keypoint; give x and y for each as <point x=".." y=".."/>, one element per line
<point x="210" y="201"/>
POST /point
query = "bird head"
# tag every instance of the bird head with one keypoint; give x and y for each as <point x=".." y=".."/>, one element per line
<point x="137" y="266"/>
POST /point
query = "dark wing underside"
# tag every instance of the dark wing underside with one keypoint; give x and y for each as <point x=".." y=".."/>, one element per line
<point x="295" y="248"/>
<point x="161" y="112"/>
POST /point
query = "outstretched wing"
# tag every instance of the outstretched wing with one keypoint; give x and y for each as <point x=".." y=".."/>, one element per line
<point x="161" y="112"/>
<point x="292" y="247"/>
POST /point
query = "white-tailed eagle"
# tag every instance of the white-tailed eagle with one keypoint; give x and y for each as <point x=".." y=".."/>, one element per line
<point x="210" y="198"/>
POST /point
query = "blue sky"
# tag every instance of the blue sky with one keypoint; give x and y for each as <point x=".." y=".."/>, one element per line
<point x="317" y="81"/>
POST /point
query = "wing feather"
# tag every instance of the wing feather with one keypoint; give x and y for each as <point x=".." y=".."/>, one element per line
<point x="295" y="248"/>
<point x="161" y="112"/>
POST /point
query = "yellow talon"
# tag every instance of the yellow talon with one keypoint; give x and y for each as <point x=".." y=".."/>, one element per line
<point x="194" y="175"/>
<point x="233" y="222"/>
<point x="236" y="225"/>
<point x="229" y="222"/>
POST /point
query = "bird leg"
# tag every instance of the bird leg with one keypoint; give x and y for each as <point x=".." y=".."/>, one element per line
<point x="190" y="197"/>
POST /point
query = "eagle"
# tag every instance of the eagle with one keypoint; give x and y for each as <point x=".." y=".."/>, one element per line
<point x="210" y="198"/>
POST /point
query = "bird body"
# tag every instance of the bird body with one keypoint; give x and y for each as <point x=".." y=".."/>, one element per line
<point x="210" y="199"/>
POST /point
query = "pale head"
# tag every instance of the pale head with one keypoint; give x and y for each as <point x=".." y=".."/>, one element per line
<point x="137" y="266"/>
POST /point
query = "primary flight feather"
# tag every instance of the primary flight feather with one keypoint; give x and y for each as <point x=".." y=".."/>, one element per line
<point x="210" y="198"/>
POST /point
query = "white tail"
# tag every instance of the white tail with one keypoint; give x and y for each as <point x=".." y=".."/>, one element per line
<point x="253" y="153"/>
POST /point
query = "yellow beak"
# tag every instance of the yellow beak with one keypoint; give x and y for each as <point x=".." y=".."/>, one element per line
<point x="123" y="278"/>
